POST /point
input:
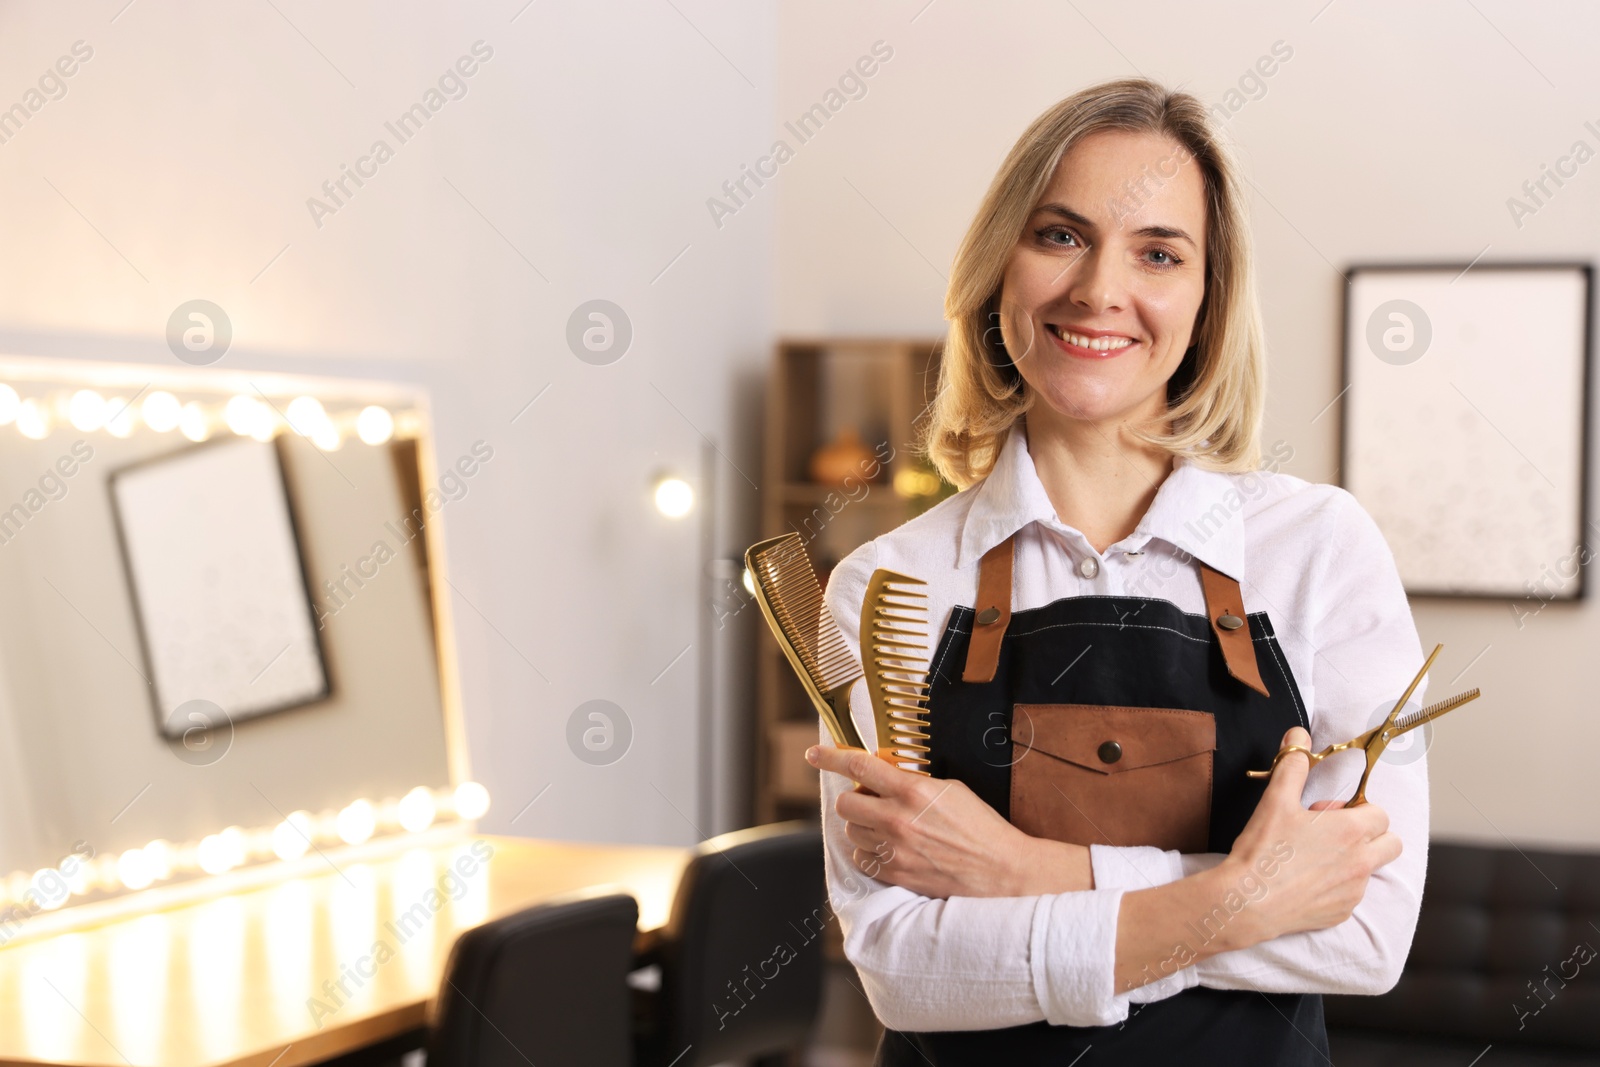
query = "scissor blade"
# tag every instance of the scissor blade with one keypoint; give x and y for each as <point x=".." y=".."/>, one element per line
<point x="1412" y="720"/>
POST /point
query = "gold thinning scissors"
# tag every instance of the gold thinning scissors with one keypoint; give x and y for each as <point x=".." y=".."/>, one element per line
<point x="1375" y="740"/>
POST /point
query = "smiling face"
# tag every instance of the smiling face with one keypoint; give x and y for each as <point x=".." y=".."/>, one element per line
<point x="1103" y="287"/>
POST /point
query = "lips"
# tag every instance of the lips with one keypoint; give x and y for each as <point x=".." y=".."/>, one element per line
<point x="1089" y="345"/>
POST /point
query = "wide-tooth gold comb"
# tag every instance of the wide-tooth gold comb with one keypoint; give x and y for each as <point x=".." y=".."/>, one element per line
<point x="791" y="599"/>
<point x="894" y="629"/>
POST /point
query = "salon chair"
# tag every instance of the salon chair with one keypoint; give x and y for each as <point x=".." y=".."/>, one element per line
<point x="547" y="985"/>
<point x="736" y="974"/>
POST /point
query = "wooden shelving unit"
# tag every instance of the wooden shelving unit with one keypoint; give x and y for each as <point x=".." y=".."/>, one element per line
<point x="880" y="388"/>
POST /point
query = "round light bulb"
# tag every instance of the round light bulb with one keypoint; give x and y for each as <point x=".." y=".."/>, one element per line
<point x="105" y="871"/>
<point x="192" y="422"/>
<point x="49" y="896"/>
<point x="161" y="411"/>
<point x="81" y="878"/>
<point x="471" y="800"/>
<point x="244" y="414"/>
<point x="327" y="438"/>
<point x="133" y="869"/>
<point x="86" y="410"/>
<point x="416" y="810"/>
<point x="119" y="417"/>
<point x="212" y="854"/>
<point x="674" y="497"/>
<point x="10" y="404"/>
<point x="17" y="886"/>
<point x="291" y="838"/>
<point x="356" y="822"/>
<point x="33" y="420"/>
<point x="159" y="855"/>
<point x="306" y="416"/>
<point x="234" y="843"/>
<point x="374" y="425"/>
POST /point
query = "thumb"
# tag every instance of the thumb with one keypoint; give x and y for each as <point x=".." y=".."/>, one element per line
<point x="1289" y="777"/>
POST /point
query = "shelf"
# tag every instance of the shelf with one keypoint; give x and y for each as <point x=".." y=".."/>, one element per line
<point x="819" y="390"/>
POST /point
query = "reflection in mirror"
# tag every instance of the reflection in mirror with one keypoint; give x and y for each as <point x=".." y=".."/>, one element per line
<point x="213" y="561"/>
<point x="223" y="643"/>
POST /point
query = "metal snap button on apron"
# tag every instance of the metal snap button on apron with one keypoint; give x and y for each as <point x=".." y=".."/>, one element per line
<point x="1089" y="567"/>
<point x="1229" y="621"/>
<point x="1110" y="752"/>
<point x="987" y="616"/>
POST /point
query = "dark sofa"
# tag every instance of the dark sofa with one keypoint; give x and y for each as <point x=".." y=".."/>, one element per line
<point x="1504" y="969"/>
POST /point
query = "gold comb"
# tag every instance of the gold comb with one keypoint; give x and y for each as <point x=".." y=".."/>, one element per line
<point x="791" y="599"/>
<point x="894" y="616"/>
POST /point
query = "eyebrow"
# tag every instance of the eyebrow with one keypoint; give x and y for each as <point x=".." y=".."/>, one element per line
<point x="1171" y="233"/>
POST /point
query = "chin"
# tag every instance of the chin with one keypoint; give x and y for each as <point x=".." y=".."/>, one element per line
<point x="1080" y="404"/>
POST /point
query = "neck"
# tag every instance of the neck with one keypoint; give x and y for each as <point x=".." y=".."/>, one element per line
<point x="1099" y="479"/>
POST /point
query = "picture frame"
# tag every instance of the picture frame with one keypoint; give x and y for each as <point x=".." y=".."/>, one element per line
<point x="222" y="601"/>
<point x="1465" y="423"/>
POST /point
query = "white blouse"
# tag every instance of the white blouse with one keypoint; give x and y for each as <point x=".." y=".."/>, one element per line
<point x="1313" y="559"/>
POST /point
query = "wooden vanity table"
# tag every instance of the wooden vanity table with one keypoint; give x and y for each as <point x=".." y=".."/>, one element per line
<point x="298" y="971"/>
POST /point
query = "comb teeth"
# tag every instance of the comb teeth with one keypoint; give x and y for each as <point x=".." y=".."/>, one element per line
<point x="1432" y="711"/>
<point x="791" y="587"/>
<point x="894" y="655"/>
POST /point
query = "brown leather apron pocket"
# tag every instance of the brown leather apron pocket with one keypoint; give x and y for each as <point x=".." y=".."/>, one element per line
<point x="1110" y="775"/>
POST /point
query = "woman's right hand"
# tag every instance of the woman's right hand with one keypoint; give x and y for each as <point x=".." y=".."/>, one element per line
<point x="1313" y="863"/>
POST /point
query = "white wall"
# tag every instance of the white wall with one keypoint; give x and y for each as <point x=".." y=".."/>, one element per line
<point x="1394" y="132"/>
<point x="178" y="166"/>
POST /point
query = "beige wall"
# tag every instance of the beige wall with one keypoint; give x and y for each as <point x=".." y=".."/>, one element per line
<point x="1393" y="132"/>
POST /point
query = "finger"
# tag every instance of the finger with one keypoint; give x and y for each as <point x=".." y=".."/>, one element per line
<point x="860" y="766"/>
<point x="872" y="862"/>
<point x="1373" y="819"/>
<point x="863" y="838"/>
<point x="1325" y="805"/>
<point x="1289" y="776"/>
<point x="1387" y="848"/>
<point x="862" y="809"/>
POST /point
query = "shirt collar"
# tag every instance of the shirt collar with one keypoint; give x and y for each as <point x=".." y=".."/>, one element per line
<point x="1196" y="510"/>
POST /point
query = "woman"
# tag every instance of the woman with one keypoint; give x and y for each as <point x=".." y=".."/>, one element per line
<point x="1127" y="614"/>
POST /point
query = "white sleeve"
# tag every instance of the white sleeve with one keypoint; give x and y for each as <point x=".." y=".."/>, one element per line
<point x="966" y="963"/>
<point x="1367" y="652"/>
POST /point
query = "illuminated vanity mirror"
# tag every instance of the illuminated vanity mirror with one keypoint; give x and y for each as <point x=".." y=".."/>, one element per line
<point x="222" y="643"/>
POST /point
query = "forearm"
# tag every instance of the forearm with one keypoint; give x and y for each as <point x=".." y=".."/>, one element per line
<point x="1165" y="928"/>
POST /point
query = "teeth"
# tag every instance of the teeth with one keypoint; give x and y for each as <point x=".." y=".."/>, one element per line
<point x="1099" y="344"/>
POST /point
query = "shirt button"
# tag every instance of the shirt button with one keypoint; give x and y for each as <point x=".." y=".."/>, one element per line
<point x="1089" y="567"/>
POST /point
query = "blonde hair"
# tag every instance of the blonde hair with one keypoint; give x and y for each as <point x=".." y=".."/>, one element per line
<point x="1215" y="397"/>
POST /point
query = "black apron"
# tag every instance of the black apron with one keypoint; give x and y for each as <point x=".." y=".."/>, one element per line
<point x="1137" y="652"/>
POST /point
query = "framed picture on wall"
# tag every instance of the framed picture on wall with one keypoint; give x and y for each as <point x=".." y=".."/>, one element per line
<point x="1466" y="423"/>
<point x="219" y="587"/>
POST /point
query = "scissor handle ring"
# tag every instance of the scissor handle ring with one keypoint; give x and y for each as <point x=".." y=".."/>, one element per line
<point x="1282" y="752"/>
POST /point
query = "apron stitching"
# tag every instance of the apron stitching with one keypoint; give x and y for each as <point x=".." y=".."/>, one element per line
<point x="1273" y="646"/>
<point x="1152" y="599"/>
<point x="1105" y="625"/>
<point x="938" y="669"/>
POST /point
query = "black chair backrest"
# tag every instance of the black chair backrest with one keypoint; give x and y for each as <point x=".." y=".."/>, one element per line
<point x="547" y="985"/>
<point x="1505" y="950"/>
<point x="741" y="956"/>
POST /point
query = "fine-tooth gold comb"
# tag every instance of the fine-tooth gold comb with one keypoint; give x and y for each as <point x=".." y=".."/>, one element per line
<point x="791" y="599"/>
<point x="894" y="632"/>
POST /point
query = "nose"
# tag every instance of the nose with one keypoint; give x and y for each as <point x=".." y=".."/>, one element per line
<point x="1098" y="282"/>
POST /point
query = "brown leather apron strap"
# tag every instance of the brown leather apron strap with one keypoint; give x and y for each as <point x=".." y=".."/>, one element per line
<point x="1225" y="608"/>
<point x="993" y="613"/>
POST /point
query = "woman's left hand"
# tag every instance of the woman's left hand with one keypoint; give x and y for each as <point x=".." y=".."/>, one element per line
<point x="937" y="838"/>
